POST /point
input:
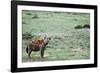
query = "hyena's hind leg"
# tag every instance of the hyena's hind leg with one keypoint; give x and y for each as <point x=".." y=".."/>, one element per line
<point x="28" y="50"/>
<point x="29" y="53"/>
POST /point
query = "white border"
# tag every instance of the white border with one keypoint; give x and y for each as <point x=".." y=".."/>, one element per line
<point x="53" y="63"/>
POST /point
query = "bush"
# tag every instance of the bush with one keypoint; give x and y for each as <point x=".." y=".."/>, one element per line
<point x="35" y="16"/>
<point x="26" y="35"/>
<point x="28" y="14"/>
<point x="86" y="26"/>
<point x="23" y="22"/>
<point x="78" y="27"/>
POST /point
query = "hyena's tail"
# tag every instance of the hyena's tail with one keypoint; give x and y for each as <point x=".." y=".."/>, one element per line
<point x="27" y="50"/>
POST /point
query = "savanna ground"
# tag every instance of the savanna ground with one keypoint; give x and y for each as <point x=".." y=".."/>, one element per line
<point x="67" y="43"/>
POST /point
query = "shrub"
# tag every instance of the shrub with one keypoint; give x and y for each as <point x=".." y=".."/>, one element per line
<point x="26" y="35"/>
<point x="35" y="16"/>
<point x="23" y="22"/>
<point x="28" y="14"/>
<point x="86" y="26"/>
<point x="78" y="27"/>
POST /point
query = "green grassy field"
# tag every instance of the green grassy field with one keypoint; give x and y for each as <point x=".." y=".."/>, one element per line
<point x="67" y="43"/>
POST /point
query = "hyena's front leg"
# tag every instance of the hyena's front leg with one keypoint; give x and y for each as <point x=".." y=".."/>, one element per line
<point x="42" y="52"/>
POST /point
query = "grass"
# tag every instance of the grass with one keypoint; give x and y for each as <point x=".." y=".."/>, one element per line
<point x="65" y="40"/>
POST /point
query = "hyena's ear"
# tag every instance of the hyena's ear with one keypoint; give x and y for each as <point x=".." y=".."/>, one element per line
<point x="32" y="41"/>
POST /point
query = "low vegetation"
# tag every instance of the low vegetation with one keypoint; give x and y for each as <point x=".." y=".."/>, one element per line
<point x="70" y="40"/>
